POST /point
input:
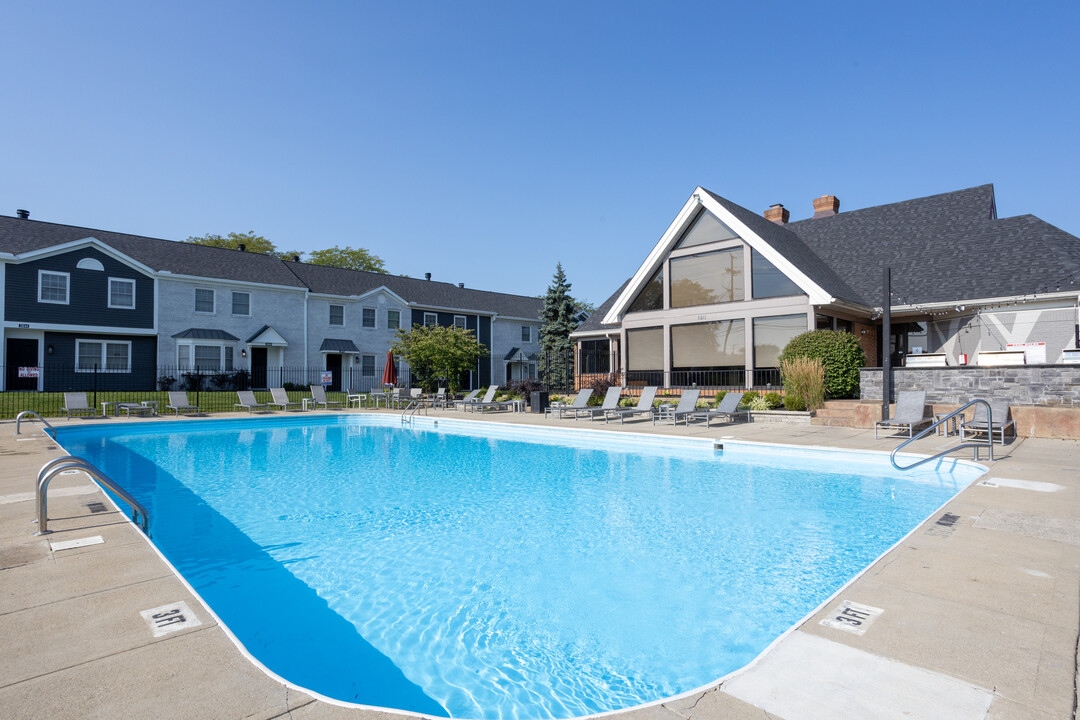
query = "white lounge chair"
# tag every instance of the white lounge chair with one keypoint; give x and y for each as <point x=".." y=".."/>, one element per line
<point x="643" y="407"/>
<point x="687" y="405"/>
<point x="910" y="412"/>
<point x="75" y="404"/>
<point x="281" y="400"/>
<point x="611" y="402"/>
<point x="318" y="397"/>
<point x="999" y="414"/>
<point x="178" y="403"/>
<point x="579" y="403"/>
<point x="248" y="401"/>
<point x="728" y="408"/>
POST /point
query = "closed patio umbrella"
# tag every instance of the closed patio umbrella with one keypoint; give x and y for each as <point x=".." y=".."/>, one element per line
<point x="389" y="374"/>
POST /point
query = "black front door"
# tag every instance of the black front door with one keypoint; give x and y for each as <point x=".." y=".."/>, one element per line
<point x="333" y="364"/>
<point x="258" y="367"/>
<point x="21" y="353"/>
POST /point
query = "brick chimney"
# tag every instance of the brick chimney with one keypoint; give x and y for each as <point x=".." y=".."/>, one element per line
<point x="826" y="205"/>
<point x="778" y="214"/>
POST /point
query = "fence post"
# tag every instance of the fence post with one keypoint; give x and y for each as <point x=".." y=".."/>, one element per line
<point x="95" y="385"/>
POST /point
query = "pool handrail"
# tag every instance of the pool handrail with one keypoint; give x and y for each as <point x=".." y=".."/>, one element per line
<point x="24" y="413"/>
<point x="413" y="405"/>
<point x="70" y="462"/>
<point x="934" y="425"/>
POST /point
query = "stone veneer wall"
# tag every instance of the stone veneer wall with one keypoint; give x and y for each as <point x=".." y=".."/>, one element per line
<point x="1042" y="385"/>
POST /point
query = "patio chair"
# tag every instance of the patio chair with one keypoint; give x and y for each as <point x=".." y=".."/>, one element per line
<point x="728" y="408"/>
<point x="281" y="400"/>
<point x="439" y="401"/>
<point x="178" y="403"/>
<point x="643" y="407"/>
<point x="687" y="406"/>
<point x="999" y="413"/>
<point x="489" y="403"/>
<point x="579" y="403"/>
<point x="611" y="402"/>
<point x="75" y="403"/>
<point x="129" y="408"/>
<point x="467" y="400"/>
<point x="318" y="397"/>
<point x="247" y="400"/>
<point x="910" y="412"/>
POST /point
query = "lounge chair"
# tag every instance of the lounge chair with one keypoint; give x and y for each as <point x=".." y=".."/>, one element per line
<point x="439" y="401"/>
<point x="579" y="403"/>
<point x="910" y="412"/>
<point x="728" y="408"/>
<point x="130" y="407"/>
<point x="247" y="400"/>
<point x="686" y="407"/>
<point x="488" y="403"/>
<point x="488" y="397"/>
<point x="75" y="403"/>
<point x="999" y="413"/>
<point x="611" y="402"/>
<point x="178" y="403"/>
<point x="465" y="401"/>
<point x="281" y="400"/>
<point x="643" y="407"/>
<point x="318" y="397"/>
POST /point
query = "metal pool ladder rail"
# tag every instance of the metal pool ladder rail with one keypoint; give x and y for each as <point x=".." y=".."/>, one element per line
<point x="24" y="413"/>
<point x="409" y="411"/>
<point x="989" y="444"/>
<point x="69" y="462"/>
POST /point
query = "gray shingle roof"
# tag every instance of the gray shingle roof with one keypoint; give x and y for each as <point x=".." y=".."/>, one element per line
<point x="593" y="324"/>
<point x="336" y="345"/>
<point x="205" y="334"/>
<point x="428" y="293"/>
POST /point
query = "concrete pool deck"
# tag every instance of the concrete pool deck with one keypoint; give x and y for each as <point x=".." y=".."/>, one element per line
<point x="979" y="607"/>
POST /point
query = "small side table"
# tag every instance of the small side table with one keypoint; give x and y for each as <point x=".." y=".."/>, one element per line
<point x="361" y="400"/>
<point x="152" y="404"/>
<point x="105" y="408"/>
<point x="949" y="428"/>
<point x="305" y="403"/>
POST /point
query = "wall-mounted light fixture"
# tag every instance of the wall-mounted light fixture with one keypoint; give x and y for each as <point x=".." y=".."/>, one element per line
<point x="243" y="352"/>
<point x="49" y="349"/>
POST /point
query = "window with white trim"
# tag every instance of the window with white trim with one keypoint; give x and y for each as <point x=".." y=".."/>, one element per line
<point x="526" y="333"/>
<point x="204" y="300"/>
<point x="122" y="293"/>
<point x="393" y="319"/>
<point x="103" y="356"/>
<point x="207" y="357"/>
<point x="337" y="315"/>
<point x="241" y="303"/>
<point x="430" y="319"/>
<point x="368" y="317"/>
<point x="459" y="321"/>
<point x="367" y="365"/>
<point x="53" y="287"/>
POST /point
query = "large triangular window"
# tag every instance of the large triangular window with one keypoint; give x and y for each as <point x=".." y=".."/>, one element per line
<point x="707" y="228"/>
<point x="651" y="296"/>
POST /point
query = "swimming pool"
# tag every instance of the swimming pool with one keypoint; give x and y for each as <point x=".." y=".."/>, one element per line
<point x="475" y="570"/>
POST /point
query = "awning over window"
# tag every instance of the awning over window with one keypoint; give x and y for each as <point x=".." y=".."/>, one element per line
<point x="267" y="336"/>
<point x="204" y="334"/>
<point x="332" y="345"/>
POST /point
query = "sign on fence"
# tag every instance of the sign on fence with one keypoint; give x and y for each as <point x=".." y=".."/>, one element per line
<point x="29" y="372"/>
<point x="327" y="378"/>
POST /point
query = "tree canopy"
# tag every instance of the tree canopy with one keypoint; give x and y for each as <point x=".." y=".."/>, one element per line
<point x="558" y="317"/>
<point x="438" y="355"/>
<point x="343" y="257"/>
<point x="347" y="257"/>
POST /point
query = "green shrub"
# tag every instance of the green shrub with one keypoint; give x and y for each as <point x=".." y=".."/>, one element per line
<point x="804" y="382"/>
<point x="718" y="397"/>
<point x="774" y="400"/>
<point x="794" y="402"/>
<point x="628" y="402"/>
<point x="840" y="354"/>
<point x="747" y="398"/>
<point x="759" y="403"/>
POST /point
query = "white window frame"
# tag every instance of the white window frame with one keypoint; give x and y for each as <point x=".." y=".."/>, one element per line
<point x="330" y="315"/>
<point x="526" y="333"/>
<point x="434" y="319"/>
<point x="122" y="280"/>
<point x="225" y="359"/>
<point x="213" y="302"/>
<point x="373" y="361"/>
<point x="464" y="321"/>
<point x="363" y="318"/>
<point x="104" y="355"/>
<point x="232" y="303"/>
<point x="67" y="287"/>
<point x="398" y="326"/>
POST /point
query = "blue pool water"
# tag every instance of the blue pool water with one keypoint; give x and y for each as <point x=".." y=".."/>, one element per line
<point x="475" y="572"/>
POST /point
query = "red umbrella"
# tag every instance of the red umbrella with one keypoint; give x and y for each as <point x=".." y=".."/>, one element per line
<point x="389" y="373"/>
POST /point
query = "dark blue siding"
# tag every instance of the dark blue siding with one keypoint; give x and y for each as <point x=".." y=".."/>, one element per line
<point x="88" y="293"/>
<point x="480" y="325"/>
<point x="59" y="372"/>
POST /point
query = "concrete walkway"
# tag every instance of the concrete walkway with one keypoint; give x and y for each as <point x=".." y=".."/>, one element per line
<point x="975" y="615"/>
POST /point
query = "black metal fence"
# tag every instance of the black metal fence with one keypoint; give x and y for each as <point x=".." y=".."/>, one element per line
<point x="211" y="389"/>
<point x="709" y="381"/>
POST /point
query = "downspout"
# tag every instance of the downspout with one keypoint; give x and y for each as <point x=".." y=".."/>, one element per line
<point x="886" y="336"/>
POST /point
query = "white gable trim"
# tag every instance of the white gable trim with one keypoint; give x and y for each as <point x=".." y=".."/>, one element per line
<point x="74" y="245"/>
<point x="674" y="231"/>
<point x="382" y="289"/>
<point x="269" y="338"/>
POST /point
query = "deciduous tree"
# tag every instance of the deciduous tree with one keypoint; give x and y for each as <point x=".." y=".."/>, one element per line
<point x="348" y="257"/>
<point x="438" y="355"/>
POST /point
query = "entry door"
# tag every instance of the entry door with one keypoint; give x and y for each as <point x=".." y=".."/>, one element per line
<point x="21" y="352"/>
<point x="333" y="364"/>
<point x="258" y="367"/>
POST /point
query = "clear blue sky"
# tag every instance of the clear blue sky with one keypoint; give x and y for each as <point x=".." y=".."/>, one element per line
<point x="484" y="142"/>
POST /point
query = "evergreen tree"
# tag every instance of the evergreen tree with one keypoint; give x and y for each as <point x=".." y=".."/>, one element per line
<point x="558" y="323"/>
